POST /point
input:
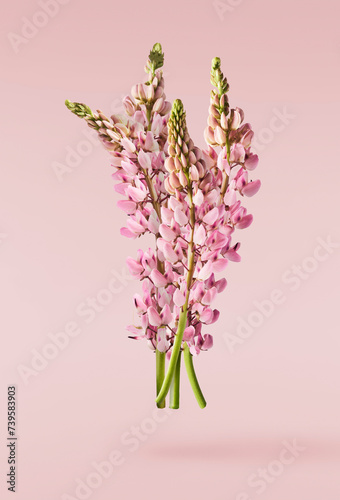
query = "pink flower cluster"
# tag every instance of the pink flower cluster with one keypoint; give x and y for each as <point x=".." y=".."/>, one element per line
<point x="189" y="199"/>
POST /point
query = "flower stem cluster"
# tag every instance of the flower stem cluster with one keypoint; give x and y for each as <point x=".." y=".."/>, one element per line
<point x="190" y="200"/>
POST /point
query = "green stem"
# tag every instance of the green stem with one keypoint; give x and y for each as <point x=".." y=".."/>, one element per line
<point x="148" y="116"/>
<point x="225" y="181"/>
<point x="160" y="373"/>
<point x="175" y="385"/>
<point x="183" y="316"/>
<point x="175" y="353"/>
<point x="192" y="376"/>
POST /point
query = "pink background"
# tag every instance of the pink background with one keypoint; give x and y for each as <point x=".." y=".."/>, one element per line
<point x="60" y="243"/>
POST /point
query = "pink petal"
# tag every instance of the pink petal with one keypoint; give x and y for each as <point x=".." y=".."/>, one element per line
<point x="134" y="267"/>
<point x="194" y="350"/>
<point x="251" y="188"/>
<point x="167" y="233"/>
<point x="211" y="216"/>
<point x="135" y="227"/>
<point x="124" y="231"/>
<point x="173" y="203"/>
<point x="169" y="253"/>
<point x="219" y="265"/>
<point x="166" y="315"/>
<point x="139" y="304"/>
<point x="153" y="225"/>
<point x="128" y="145"/>
<point x="230" y="197"/>
<point x="232" y="255"/>
<point x="121" y="188"/>
<point x="144" y="160"/>
<point x="188" y="334"/>
<point x="180" y="216"/>
<point x="198" y="199"/>
<point x="128" y="206"/>
<point x="167" y="215"/>
<point x="129" y="167"/>
<point x="154" y="317"/>
<point x="221" y="285"/>
<point x="150" y="143"/>
<point x="205" y="271"/>
<point x="209" y="296"/>
<point x="208" y="342"/>
<point x="178" y="298"/>
<point x="251" y="162"/>
<point x="207" y="315"/>
<point x="216" y="315"/>
<point x="162" y="342"/>
<point x="200" y="235"/>
<point x="237" y="153"/>
<point x="135" y="193"/>
<point x="245" y="222"/>
<point x="158" y="279"/>
<point x="198" y="292"/>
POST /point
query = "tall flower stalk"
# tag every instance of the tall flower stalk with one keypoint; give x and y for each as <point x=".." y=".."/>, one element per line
<point x="190" y="200"/>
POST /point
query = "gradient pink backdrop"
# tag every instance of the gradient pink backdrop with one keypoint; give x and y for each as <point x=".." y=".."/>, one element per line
<point x="60" y="243"/>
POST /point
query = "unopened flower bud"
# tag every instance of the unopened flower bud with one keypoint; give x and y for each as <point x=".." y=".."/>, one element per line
<point x="171" y="150"/>
<point x="213" y="111"/>
<point x="235" y="119"/>
<point x="168" y="186"/>
<point x="158" y="106"/>
<point x="122" y="128"/>
<point x="166" y="108"/>
<point x="134" y="92"/>
<point x="178" y="164"/>
<point x="215" y="101"/>
<point x="201" y="167"/>
<point x="212" y="121"/>
<point x="220" y="136"/>
<point x="192" y="157"/>
<point x="150" y="92"/>
<point x="169" y="164"/>
<point x="159" y="92"/>
<point x="194" y="173"/>
<point x="224" y="121"/>
<point x="183" y="160"/>
<point x="183" y="179"/>
<point x="129" y="105"/>
<point x="185" y="148"/>
<point x="209" y="136"/>
<point x="174" y="181"/>
<point x="247" y="138"/>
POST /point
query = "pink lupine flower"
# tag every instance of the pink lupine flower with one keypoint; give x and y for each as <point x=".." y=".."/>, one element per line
<point x="189" y="200"/>
<point x="158" y="278"/>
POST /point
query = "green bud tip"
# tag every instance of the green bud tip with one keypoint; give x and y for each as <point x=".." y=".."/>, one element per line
<point x="157" y="48"/>
<point x="177" y="110"/>
<point x="156" y="57"/>
<point x="215" y="63"/>
<point x="78" y="109"/>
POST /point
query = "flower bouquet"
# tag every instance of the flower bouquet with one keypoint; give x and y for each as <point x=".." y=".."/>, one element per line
<point x="190" y="201"/>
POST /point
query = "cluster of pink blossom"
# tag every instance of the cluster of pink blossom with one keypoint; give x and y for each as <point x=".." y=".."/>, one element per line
<point x="189" y="199"/>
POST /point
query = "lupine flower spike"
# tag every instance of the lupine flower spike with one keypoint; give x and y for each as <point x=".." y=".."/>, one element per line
<point x="190" y="200"/>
